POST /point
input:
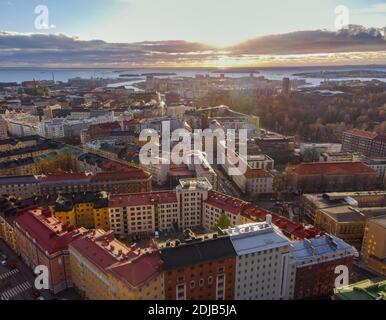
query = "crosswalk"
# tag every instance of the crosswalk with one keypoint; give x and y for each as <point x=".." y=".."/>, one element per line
<point x="11" y="293"/>
<point x="8" y="274"/>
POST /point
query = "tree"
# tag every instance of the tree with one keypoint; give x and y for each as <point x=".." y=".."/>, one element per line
<point x="224" y="222"/>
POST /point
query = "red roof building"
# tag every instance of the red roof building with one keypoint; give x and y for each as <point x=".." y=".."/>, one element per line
<point x="331" y="176"/>
<point x="137" y="270"/>
<point x="43" y="240"/>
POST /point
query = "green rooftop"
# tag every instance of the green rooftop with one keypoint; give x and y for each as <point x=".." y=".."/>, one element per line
<point x="363" y="290"/>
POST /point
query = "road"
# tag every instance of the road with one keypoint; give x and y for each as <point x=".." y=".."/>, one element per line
<point x="226" y="185"/>
<point x="18" y="283"/>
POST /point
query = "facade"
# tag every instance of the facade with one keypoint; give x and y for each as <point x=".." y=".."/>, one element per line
<point x="374" y="244"/>
<point x="331" y="176"/>
<point x="203" y="269"/>
<point x="23" y="187"/>
<point x="346" y="222"/>
<point x="316" y="261"/>
<point x="368" y="143"/>
<point x="265" y="268"/>
<point x="88" y="210"/>
<point x="3" y="128"/>
<point x="143" y="214"/>
<point x="105" y="269"/>
<point x="312" y="203"/>
<point x="43" y="240"/>
<point x="8" y="211"/>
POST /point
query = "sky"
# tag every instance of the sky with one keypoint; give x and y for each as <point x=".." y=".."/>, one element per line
<point x="217" y="25"/>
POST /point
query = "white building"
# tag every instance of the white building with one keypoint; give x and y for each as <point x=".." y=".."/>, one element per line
<point x="265" y="266"/>
<point x="52" y="129"/>
<point x="190" y="195"/>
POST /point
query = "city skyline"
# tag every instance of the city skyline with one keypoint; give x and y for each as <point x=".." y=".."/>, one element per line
<point x="134" y="33"/>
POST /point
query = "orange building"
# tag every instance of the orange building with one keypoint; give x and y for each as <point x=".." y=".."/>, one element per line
<point x="43" y="240"/>
<point x="201" y="270"/>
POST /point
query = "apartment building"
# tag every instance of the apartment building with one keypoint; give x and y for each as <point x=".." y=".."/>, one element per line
<point x="83" y="209"/>
<point x="200" y="269"/>
<point x="105" y="269"/>
<point x="374" y="244"/>
<point x="370" y="144"/>
<point x="42" y="240"/>
<point x="191" y="194"/>
<point x="143" y="214"/>
<point x="265" y="267"/>
<point x="23" y="187"/>
<point x="316" y="262"/>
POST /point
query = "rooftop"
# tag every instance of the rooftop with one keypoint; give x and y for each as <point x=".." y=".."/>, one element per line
<point x="197" y="252"/>
<point x="142" y="199"/>
<point x="225" y="202"/>
<point x="131" y="265"/>
<point x="48" y="232"/>
<point x="362" y="133"/>
<point x="364" y="290"/>
<point x="195" y="184"/>
<point x="308" y="249"/>
<point x="255" y="237"/>
<point x="333" y="168"/>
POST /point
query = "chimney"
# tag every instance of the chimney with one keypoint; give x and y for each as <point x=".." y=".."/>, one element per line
<point x="268" y="219"/>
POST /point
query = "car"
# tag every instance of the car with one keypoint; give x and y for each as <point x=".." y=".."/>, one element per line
<point x="4" y="263"/>
<point x="36" y="294"/>
<point x="4" y="256"/>
<point x="40" y="298"/>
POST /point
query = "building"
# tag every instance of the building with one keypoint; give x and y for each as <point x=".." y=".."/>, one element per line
<point x="370" y="144"/>
<point x="286" y="87"/>
<point x="42" y="240"/>
<point x="83" y="209"/>
<point x="379" y="165"/>
<point x="311" y="203"/>
<point x="374" y="244"/>
<point x="265" y="268"/>
<point x="256" y="180"/>
<point x="52" y="129"/>
<point x="190" y="196"/>
<point x="331" y="176"/>
<point x="8" y="210"/>
<point x="347" y="222"/>
<point x="200" y="269"/>
<point x="3" y="128"/>
<point x="341" y="157"/>
<point x="316" y="262"/>
<point x="23" y="187"/>
<point x="143" y="214"/>
<point x="363" y="290"/>
<point x="105" y="269"/>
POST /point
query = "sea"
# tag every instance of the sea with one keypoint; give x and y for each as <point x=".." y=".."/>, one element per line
<point x="137" y="74"/>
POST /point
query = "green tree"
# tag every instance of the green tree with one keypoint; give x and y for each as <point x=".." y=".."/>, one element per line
<point x="224" y="222"/>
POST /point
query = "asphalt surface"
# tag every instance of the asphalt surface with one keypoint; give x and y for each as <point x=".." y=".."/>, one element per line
<point x="17" y="280"/>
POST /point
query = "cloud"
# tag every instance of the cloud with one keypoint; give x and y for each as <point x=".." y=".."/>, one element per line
<point x="32" y="49"/>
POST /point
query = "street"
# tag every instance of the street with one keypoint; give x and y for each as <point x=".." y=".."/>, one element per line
<point x="17" y="280"/>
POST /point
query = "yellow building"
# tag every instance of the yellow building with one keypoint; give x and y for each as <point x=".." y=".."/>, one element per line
<point x="8" y="211"/>
<point x="88" y="210"/>
<point x="7" y="232"/>
<point x="374" y="244"/>
<point x="105" y="269"/>
<point x="346" y="222"/>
